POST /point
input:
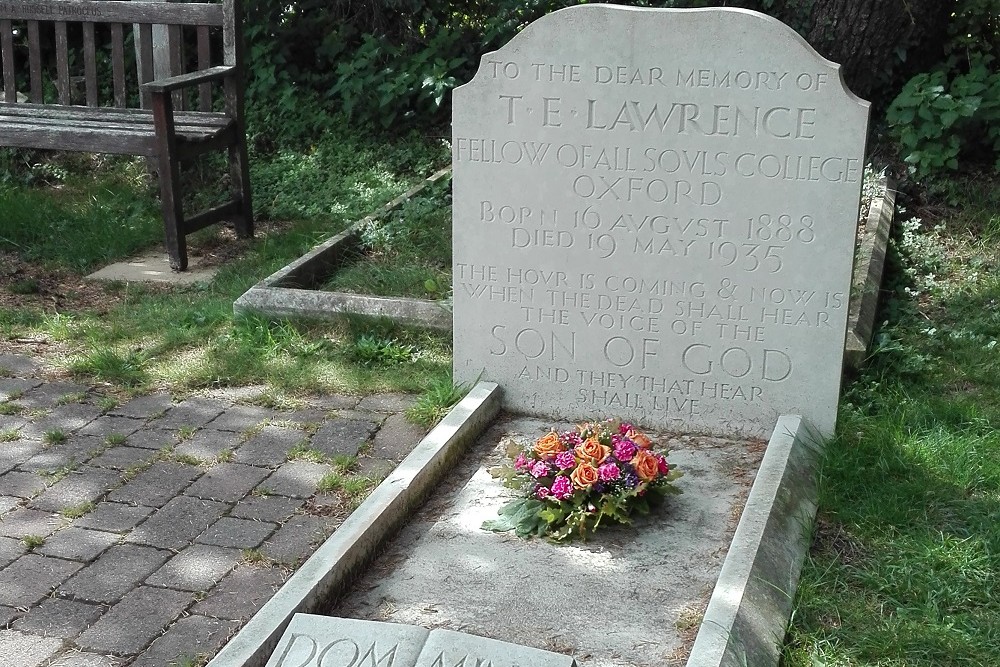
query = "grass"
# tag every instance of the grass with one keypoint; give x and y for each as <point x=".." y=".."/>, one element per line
<point x="406" y="253"/>
<point x="77" y="511"/>
<point x="32" y="542"/>
<point x="9" y="435"/>
<point x="904" y="568"/>
<point x="314" y="193"/>
<point x="54" y="437"/>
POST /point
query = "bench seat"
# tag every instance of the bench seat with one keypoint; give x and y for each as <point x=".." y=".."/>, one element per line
<point x="108" y="130"/>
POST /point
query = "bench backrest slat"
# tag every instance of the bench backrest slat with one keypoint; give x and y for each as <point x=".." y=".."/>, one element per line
<point x="7" y="56"/>
<point x="62" y="62"/>
<point x="114" y="11"/>
<point x="34" y="62"/>
<point x="118" y="63"/>
<point x="204" y="62"/>
<point x="90" y="64"/>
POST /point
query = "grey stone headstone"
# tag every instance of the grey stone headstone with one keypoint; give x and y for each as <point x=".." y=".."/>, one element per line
<point x="446" y="648"/>
<point x="654" y="218"/>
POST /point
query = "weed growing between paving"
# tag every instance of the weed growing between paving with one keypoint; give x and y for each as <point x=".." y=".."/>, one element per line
<point x="904" y="568"/>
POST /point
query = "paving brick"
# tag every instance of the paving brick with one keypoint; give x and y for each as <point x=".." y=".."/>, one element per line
<point x="335" y="402"/>
<point x="114" y="573"/>
<point x="269" y="447"/>
<point x="21" y="484"/>
<point x="389" y="402"/>
<point x="66" y="418"/>
<point x="298" y="538"/>
<point x="83" y="485"/>
<point x="7" y="503"/>
<point x="123" y="458"/>
<point x="375" y="469"/>
<point x="22" y="650"/>
<point x="342" y="437"/>
<point x="193" y="413"/>
<point x="134" y="622"/>
<point x="75" y="658"/>
<point x="242" y="592"/>
<point x="269" y="508"/>
<point x="397" y="438"/>
<point x="7" y="616"/>
<point x="10" y="550"/>
<point x="73" y="451"/>
<point x="12" y="388"/>
<point x="207" y="445"/>
<point x="12" y="422"/>
<point x="16" y="452"/>
<point x="237" y="533"/>
<point x="303" y="417"/>
<point x="196" y="568"/>
<point x="31" y="577"/>
<point x="239" y="418"/>
<point x="24" y="521"/>
<point x="227" y="482"/>
<point x="190" y="637"/>
<point x="178" y="522"/>
<point x="56" y="617"/>
<point x="50" y="394"/>
<point x="144" y="407"/>
<point x="295" y="479"/>
<point x="106" y="425"/>
<point x="114" y="517"/>
<point x="77" y="543"/>
<point x="157" y="485"/>
<point x="20" y="365"/>
<point x="151" y="438"/>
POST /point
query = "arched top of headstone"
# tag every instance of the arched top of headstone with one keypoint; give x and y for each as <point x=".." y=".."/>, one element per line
<point x="722" y="21"/>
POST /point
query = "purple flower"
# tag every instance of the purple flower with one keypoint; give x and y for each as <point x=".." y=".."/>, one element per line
<point x="521" y="462"/>
<point x="542" y="492"/>
<point x="609" y="472"/>
<point x="562" y="488"/>
<point x="625" y="450"/>
<point x="631" y="480"/>
<point x="565" y="460"/>
<point x="539" y="469"/>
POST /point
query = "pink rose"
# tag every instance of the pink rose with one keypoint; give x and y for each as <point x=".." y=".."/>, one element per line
<point x="661" y="462"/>
<point x="625" y="450"/>
<point x="542" y="493"/>
<point x="521" y="462"/>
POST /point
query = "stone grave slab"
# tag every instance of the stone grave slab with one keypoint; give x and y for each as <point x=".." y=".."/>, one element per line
<point x="654" y="218"/>
<point x="326" y="641"/>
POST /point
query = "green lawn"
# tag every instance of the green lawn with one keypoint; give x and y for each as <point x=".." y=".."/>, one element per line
<point x="905" y="565"/>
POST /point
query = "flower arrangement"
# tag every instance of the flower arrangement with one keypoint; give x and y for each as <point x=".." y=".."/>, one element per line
<point x="572" y="481"/>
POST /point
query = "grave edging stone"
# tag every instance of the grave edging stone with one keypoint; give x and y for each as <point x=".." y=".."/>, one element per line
<point x="750" y="606"/>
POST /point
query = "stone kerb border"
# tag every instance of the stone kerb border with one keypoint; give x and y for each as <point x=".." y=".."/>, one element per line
<point x="868" y="274"/>
<point x="748" y="612"/>
<point x="284" y="292"/>
<point x="332" y="565"/>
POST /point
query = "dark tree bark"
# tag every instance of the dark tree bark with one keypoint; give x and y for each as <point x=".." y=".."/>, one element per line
<point x="880" y="43"/>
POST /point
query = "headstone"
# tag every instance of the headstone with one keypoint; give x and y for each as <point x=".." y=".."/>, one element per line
<point x="326" y="641"/>
<point x="654" y="218"/>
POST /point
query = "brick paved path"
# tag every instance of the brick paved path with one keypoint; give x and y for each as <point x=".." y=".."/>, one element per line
<point x="147" y="533"/>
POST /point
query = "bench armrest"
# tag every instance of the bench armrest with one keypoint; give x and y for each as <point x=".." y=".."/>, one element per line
<point x="173" y="83"/>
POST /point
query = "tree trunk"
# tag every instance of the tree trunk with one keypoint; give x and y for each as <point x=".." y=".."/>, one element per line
<point x="880" y="43"/>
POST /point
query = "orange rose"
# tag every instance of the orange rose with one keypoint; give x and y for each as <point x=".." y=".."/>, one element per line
<point x="584" y="476"/>
<point x="640" y="439"/>
<point x="593" y="450"/>
<point x="548" y="446"/>
<point x="646" y="465"/>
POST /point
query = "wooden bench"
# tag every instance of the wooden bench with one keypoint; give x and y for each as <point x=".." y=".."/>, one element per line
<point x="135" y="114"/>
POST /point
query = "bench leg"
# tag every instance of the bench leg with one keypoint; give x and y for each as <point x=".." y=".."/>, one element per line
<point x="173" y="217"/>
<point x="239" y="176"/>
